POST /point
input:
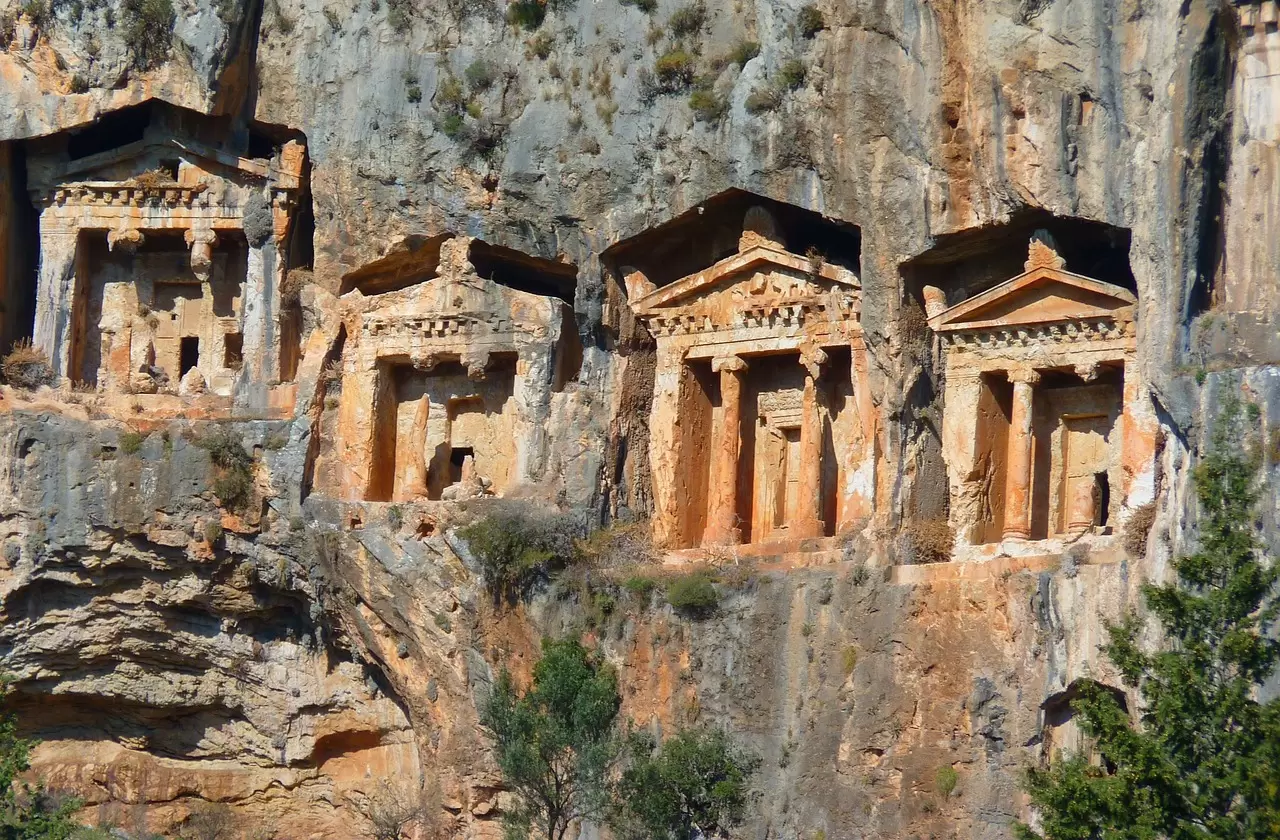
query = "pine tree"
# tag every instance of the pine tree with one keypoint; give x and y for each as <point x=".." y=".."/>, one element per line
<point x="1205" y="761"/>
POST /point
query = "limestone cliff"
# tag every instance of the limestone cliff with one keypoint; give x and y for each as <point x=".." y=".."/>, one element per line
<point x="807" y="291"/>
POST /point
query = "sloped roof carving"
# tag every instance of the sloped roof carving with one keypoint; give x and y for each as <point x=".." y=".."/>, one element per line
<point x="750" y="261"/>
<point x="1044" y="294"/>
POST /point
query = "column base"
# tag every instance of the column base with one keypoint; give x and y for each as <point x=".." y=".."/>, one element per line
<point x="720" y="536"/>
<point x="806" y="530"/>
<point x="1016" y="534"/>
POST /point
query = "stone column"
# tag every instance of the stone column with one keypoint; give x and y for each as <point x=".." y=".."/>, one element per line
<point x="1017" y="487"/>
<point x="722" y="519"/>
<point x="1081" y="506"/>
<point x="55" y="290"/>
<point x="808" y="522"/>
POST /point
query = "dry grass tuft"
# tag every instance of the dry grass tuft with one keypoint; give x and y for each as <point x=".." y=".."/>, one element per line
<point x="26" y="366"/>
<point x="1137" y="528"/>
<point x="929" y="540"/>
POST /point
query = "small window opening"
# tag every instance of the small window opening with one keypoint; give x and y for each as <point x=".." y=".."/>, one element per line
<point x="457" y="456"/>
<point x="1086" y="109"/>
<point x="169" y="167"/>
<point x="233" y="351"/>
<point x="1102" y="498"/>
<point x="188" y="354"/>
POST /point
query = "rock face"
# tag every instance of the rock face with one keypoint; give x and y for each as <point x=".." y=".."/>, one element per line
<point x="909" y="318"/>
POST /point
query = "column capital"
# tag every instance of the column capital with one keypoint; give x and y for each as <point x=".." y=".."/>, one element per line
<point x="127" y="239"/>
<point x="734" y="364"/>
<point x="1025" y="375"/>
<point x="813" y="358"/>
<point x="203" y="235"/>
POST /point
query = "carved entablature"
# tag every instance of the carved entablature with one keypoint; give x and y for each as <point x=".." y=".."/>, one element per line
<point x="761" y="293"/>
<point x="165" y="183"/>
<point x="1046" y="316"/>
<point x="457" y="315"/>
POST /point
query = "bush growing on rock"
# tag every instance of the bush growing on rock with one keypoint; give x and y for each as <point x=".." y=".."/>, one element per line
<point x="148" y="30"/>
<point x="210" y="821"/>
<point x="26" y="366"/>
<point x="481" y="75"/>
<point x="707" y="105"/>
<point x="517" y="547"/>
<point x="693" y="594"/>
<point x="811" y="21"/>
<point x="687" y="20"/>
<point x="233" y="484"/>
<point x="928" y="541"/>
<point x="743" y="52"/>
<point x="1137" y="528"/>
<point x="674" y="70"/>
<point x="131" y="442"/>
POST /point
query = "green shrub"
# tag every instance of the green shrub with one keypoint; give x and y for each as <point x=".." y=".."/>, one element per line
<point x="849" y="659"/>
<point x="688" y="20"/>
<point x="451" y="126"/>
<point x="234" y="483"/>
<point x="527" y="14"/>
<point x="481" y="75"/>
<point x="331" y="17"/>
<point x="707" y="105"/>
<point x="791" y="75"/>
<point x="38" y="12"/>
<point x="449" y="94"/>
<point x="811" y="21"/>
<point x="148" y="30"/>
<point x="693" y="594"/>
<point x="131" y="442"/>
<point x="946" y="780"/>
<point x="646" y="6"/>
<point x="518" y="547"/>
<point x="400" y="14"/>
<point x="212" y="532"/>
<point x="674" y="70"/>
<point x="763" y="99"/>
<point x="79" y="84"/>
<point x="640" y="587"/>
<point x="743" y="52"/>
<point x="413" y="93"/>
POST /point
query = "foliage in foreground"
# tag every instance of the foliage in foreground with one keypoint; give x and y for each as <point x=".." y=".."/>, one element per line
<point x="1206" y="761"/>
<point x="693" y="785"/>
<point x="27" y="811"/>
<point x="556" y="742"/>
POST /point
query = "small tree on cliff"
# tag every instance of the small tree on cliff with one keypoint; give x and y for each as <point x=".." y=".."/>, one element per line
<point x="1206" y="761"/>
<point x="556" y="741"/>
<point x="27" y="812"/>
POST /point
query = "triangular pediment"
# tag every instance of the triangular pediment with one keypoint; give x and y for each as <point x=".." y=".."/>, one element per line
<point x="1042" y="295"/>
<point x="756" y="272"/>
<point x="138" y="158"/>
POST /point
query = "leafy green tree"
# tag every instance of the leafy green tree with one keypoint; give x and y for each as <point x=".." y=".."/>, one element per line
<point x="1205" y="762"/>
<point x="556" y="742"/>
<point x="695" y="784"/>
<point x="27" y="811"/>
